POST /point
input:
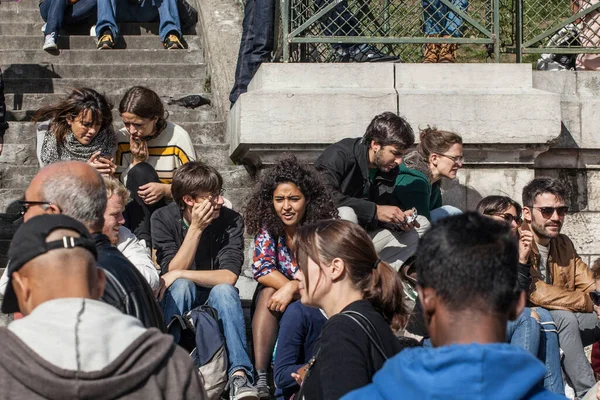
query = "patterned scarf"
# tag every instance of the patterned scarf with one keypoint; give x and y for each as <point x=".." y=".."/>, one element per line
<point x="71" y="149"/>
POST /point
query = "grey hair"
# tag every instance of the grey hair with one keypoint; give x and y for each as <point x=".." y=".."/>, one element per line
<point x="83" y="200"/>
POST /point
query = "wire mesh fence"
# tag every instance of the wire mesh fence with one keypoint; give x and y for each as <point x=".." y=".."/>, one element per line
<point x="411" y="30"/>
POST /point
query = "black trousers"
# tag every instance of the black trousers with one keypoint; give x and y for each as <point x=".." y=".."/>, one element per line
<point x="138" y="213"/>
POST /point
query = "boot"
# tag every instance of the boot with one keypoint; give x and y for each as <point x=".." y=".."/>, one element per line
<point x="448" y="53"/>
<point x="431" y="52"/>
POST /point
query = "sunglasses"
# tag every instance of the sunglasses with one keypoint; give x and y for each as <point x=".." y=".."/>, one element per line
<point x="455" y="159"/>
<point x="25" y="204"/>
<point x="548" y="212"/>
<point x="595" y="297"/>
<point x="510" y="218"/>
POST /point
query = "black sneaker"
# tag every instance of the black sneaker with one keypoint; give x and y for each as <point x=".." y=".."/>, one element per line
<point x="240" y="389"/>
<point x="106" y="40"/>
<point x="367" y="53"/>
<point x="264" y="391"/>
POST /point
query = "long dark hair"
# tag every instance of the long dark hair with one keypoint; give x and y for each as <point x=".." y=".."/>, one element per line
<point x="497" y="204"/>
<point x="79" y="100"/>
<point x="144" y="103"/>
<point x="380" y="284"/>
<point x="259" y="211"/>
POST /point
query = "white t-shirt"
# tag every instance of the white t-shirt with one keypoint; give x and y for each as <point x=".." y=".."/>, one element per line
<point x="543" y="266"/>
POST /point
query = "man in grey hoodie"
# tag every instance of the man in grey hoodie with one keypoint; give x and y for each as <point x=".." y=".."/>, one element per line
<point x="69" y="344"/>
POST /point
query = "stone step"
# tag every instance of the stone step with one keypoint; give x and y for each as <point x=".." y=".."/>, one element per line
<point x="23" y="5"/>
<point x="8" y="196"/>
<point x="110" y="85"/>
<point x="34" y="101"/>
<point x="104" y="57"/>
<point x="204" y="113"/>
<point x="25" y="16"/>
<point x="35" y="28"/>
<point x="89" y="43"/>
<point x="209" y="132"/>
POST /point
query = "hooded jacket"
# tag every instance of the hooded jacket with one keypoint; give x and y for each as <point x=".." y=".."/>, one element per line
<point x="345" y="168"/>
<point x="77" y="348"/>
<point x="474" y="371"/>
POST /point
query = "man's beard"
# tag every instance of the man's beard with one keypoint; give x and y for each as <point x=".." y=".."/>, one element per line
<point x="380" y="164"/>
<point x="541" y="231"/>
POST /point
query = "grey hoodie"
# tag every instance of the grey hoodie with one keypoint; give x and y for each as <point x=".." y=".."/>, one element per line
<point x="86" y="349"/>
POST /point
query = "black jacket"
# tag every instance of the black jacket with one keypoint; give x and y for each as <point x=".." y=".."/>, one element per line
<point x="345" y="168"/>
<point x="126" y="289"/>
<point x="3" y="123"/>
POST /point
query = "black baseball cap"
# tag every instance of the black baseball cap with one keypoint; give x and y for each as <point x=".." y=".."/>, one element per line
<point x="29" y="242"/>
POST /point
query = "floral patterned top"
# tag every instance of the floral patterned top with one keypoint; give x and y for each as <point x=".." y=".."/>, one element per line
<point x="271" y="255"/>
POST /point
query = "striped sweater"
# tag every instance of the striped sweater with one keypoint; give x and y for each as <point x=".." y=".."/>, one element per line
<point x="167" y="152"/>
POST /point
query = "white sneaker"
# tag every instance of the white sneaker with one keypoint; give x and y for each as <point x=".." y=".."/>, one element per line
<point x="93" y="31"/>
<point x="50" y="42"/>
<point x="44" y="28"/>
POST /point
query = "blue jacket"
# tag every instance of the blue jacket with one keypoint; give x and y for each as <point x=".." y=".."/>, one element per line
<point x="473" y="371"/>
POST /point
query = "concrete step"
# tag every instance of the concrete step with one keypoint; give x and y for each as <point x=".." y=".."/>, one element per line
<point x="178" y="116"/>
<point x="34" y="101"/>
<point x="208" y="132"/>
<point x="22" y="16"/>
<point x="111" y="85"/>
<point x="7" y="196"/>
<point x="19" y="5"/>
<point x="104" y="57"/>
<point x="18" y="29"/>
<point x="215" y="154"/>
<point x="89" y="43"/>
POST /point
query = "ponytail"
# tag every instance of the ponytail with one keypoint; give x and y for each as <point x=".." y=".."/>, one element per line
<point x="386" y="294"/>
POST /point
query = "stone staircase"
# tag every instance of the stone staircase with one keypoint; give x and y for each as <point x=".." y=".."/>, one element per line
<point x="34" y="77"/>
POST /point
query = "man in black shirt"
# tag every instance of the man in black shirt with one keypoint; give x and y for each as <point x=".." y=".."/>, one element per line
<point x="200" y="248"/>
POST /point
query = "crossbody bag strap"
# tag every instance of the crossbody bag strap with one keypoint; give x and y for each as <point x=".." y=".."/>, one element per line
<point x="369" y="330"/>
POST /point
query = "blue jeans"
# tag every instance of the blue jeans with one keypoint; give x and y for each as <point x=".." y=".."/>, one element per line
<point x="182" y="296"/>
<point x="539" y="337"/>
<point x="442" y="212"/>
<point x="256" y="45"/>
<point x="112" y="11"/>
<point x="440" y="20"/>
<point x="59" y="12"/>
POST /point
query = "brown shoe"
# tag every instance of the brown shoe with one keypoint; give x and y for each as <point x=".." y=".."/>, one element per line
<point x="448" y="53"/>
<point x="431" y="53"/>
<point x="172" y="42"/>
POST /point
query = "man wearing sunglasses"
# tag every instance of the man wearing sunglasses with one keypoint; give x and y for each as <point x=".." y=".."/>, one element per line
<point x="561" y="281"/>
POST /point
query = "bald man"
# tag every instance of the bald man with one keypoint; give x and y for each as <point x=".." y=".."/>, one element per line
<point x="75" y="189"/>
<point x="69" y="344"/>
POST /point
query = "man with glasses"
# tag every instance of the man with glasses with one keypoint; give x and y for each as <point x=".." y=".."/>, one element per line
<point x="200" y="249"/>
<point x="561" y="281"/>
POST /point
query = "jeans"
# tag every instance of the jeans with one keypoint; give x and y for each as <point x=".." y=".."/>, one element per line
<point x="137" y="213"/>
<point x="59" y="12"/>
<point x="524" y="332"/>
<point x="443" y="212"/>
<point x="112" y="11"/>
<point x="182" y="296"/>
<point x="256" y="44"/>
<point x="575" y="331"/>
<point x="549" y="352"/>
<point x="440" y="20"/>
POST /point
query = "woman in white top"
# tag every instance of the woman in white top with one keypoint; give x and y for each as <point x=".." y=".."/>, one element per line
<point x="149" y="150"/>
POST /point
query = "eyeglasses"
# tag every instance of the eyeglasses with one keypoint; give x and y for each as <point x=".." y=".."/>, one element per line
<point x="458" y="160"/>
<point x="548" y="212"/>
<point x="509" y="218"/>
<point x="25" y="204"/>
<point x="214" y="196"/>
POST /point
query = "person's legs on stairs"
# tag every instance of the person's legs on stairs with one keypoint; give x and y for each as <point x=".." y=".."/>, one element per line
<point x="137" y="212"/>
<point x="524" y="332"/>
<point x="265" y="324"/>
<point x="179" y="298"/>
<point x="549" y="352"/>
<point x="168" y="15"/>
<point x="577" y="367"/>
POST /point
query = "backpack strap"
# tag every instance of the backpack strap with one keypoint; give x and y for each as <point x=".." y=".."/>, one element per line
<point x="368" y="328"/>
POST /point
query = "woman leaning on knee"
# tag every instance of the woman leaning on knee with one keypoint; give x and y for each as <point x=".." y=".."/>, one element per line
<point x="418" y="184"/>
<point x="341" y="273"/>
<point x="77" y="128"/>
<point x="149" y="151"/>
<point x="288" y="195"/>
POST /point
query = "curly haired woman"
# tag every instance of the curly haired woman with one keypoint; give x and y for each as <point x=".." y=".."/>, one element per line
<point x="288" y="195"/>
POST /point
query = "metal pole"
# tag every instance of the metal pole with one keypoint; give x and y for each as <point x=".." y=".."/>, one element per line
<point x="519" y="30"/>
<point x="496" y="31"/>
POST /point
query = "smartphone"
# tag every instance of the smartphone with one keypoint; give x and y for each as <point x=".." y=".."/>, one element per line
<point x="595" y="296"/>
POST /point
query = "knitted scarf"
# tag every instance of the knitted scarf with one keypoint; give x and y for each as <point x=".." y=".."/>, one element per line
<point x="71" y="149"/>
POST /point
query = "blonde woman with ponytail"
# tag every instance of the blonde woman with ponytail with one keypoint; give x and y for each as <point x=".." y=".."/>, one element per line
<point x="340" y="272"/>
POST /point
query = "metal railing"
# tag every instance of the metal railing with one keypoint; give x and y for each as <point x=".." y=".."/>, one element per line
<point x="484" y="30"/>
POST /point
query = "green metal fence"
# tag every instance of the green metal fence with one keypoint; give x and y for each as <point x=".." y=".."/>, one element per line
<point x="330" y="30"/>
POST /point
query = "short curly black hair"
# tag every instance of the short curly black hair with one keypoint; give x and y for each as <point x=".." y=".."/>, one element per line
<point x="259" y="211"/>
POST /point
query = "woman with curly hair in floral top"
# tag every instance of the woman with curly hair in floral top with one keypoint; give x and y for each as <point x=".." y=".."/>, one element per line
<point x="288" y="195"/>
